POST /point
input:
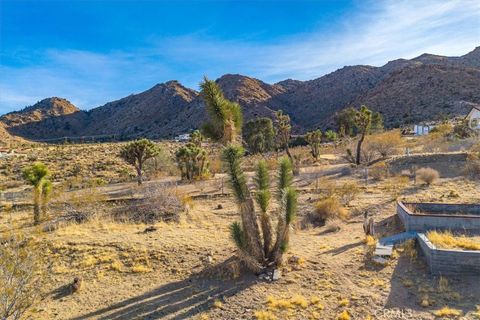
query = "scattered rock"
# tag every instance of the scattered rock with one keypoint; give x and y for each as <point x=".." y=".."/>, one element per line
<point x="277" y="274"/>
<point x="150" y="229"/>
<point x="380" y="260"/>
<point x="219" y="206"/>
<point x="76" y="284"/>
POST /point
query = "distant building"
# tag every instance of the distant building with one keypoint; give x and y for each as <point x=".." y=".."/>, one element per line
<point x="422" y="129"/>
<point x="183" y="137"/>
<point x="473" y="118"/>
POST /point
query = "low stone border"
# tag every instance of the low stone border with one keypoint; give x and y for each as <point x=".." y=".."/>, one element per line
<point x="440" y="219"/>
<point x="447" y="261"/>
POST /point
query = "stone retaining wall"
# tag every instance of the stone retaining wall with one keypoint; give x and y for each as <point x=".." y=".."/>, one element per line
<point x="440" y="220"/>
<point x="449" y="262"/>
<point x="449" y="165"/>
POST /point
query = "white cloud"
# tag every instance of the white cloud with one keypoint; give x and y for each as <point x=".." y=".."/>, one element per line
<point x="375" y="34"/>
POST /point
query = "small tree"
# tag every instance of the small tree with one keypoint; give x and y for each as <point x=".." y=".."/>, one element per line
<point x="226" y="117"/>
<point x="257" y="249"/>
<point x="314" y="140"/>
<point x="37" y="176"/>
<point x="259" y="135"/>
<point x="137" y="152"/>
<point x="363" y="122"/>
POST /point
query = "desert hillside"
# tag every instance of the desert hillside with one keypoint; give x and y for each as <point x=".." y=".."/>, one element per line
<point x="404" y="91"/>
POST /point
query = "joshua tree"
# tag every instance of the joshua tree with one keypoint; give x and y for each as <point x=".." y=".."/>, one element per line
<point x="330" y="135"/>
<point x="259" y="135"/>
<point x="196" y="138"/>
<point x="363" y="121"/>
<point x="192" y="161"/>
<point x="37" y="176"/>
<point x="284" y="129"/>
<point x="256" y="245"/>
<point x="225" y="116"/>
<point x="137" y="152"/>
<point x="47" y="188"/>
<point x="314" y="139"/>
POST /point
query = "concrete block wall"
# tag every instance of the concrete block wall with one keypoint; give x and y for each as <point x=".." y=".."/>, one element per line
<point x="449" y="262"/>
<point x="422" y="222"/>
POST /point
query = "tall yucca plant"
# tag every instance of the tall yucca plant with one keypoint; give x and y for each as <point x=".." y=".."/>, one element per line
<point x="257" y="246"/>
<point x="226" y="118"/>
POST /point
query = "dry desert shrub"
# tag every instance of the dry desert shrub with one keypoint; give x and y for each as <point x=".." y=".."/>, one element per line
<point x="346" y="192"/>
<point x="23" y="273"/>
<point x="158" y="204"/>
<point x="472" y="167"/>
<point x="379" y="171"/>
<point x="385" y="144"/>
<point x="329" y="208"/>
<point x="427" y="175"/>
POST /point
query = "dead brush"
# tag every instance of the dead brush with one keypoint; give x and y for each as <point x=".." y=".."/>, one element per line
<point x="157" y="204"/>
<point x="427" y="175"/>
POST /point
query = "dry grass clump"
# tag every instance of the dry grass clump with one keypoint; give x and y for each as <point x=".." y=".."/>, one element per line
<point x="344" y="315"/>
<point x="447" y="312"/>
<point x="427" y="175"/>
<point x="330" y="208"/>
<point x="447" y="240"/>
<point x="264" y="315"/>
<point x="141" y="269"/>
<point x="408" y="249"/>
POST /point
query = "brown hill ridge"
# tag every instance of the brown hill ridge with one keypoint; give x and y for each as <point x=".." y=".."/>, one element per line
<point x="404" y="91"/>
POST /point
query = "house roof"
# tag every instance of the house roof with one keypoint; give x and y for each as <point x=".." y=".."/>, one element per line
<point x="473" y="108"/>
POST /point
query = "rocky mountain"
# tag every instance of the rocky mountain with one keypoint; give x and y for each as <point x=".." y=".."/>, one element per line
<point x="404" y="91"/>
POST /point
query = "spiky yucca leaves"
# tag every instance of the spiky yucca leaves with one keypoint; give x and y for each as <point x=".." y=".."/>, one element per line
<point x="263" y="199"/>
<point x="285" y="176"/>
<point x="285" y="218"/>
<point x="253" y="245"/>
<point x="225" y="116"/>
<point x="246" y="234"/>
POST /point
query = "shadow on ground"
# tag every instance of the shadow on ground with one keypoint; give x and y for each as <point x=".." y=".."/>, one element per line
<point x="178" y="300"/>
<point x="411" y="283"/>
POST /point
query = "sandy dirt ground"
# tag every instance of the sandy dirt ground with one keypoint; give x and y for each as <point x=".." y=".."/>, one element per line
<point x="166" y="274"/>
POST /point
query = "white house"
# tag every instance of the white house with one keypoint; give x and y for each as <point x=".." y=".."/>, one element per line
<point x="421" y="129"/>
<point x="182" y="137"/>
<point x="473" y="118"/>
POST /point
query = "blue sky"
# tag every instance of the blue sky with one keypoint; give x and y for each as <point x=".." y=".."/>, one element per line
<point x="92" y="52"/>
